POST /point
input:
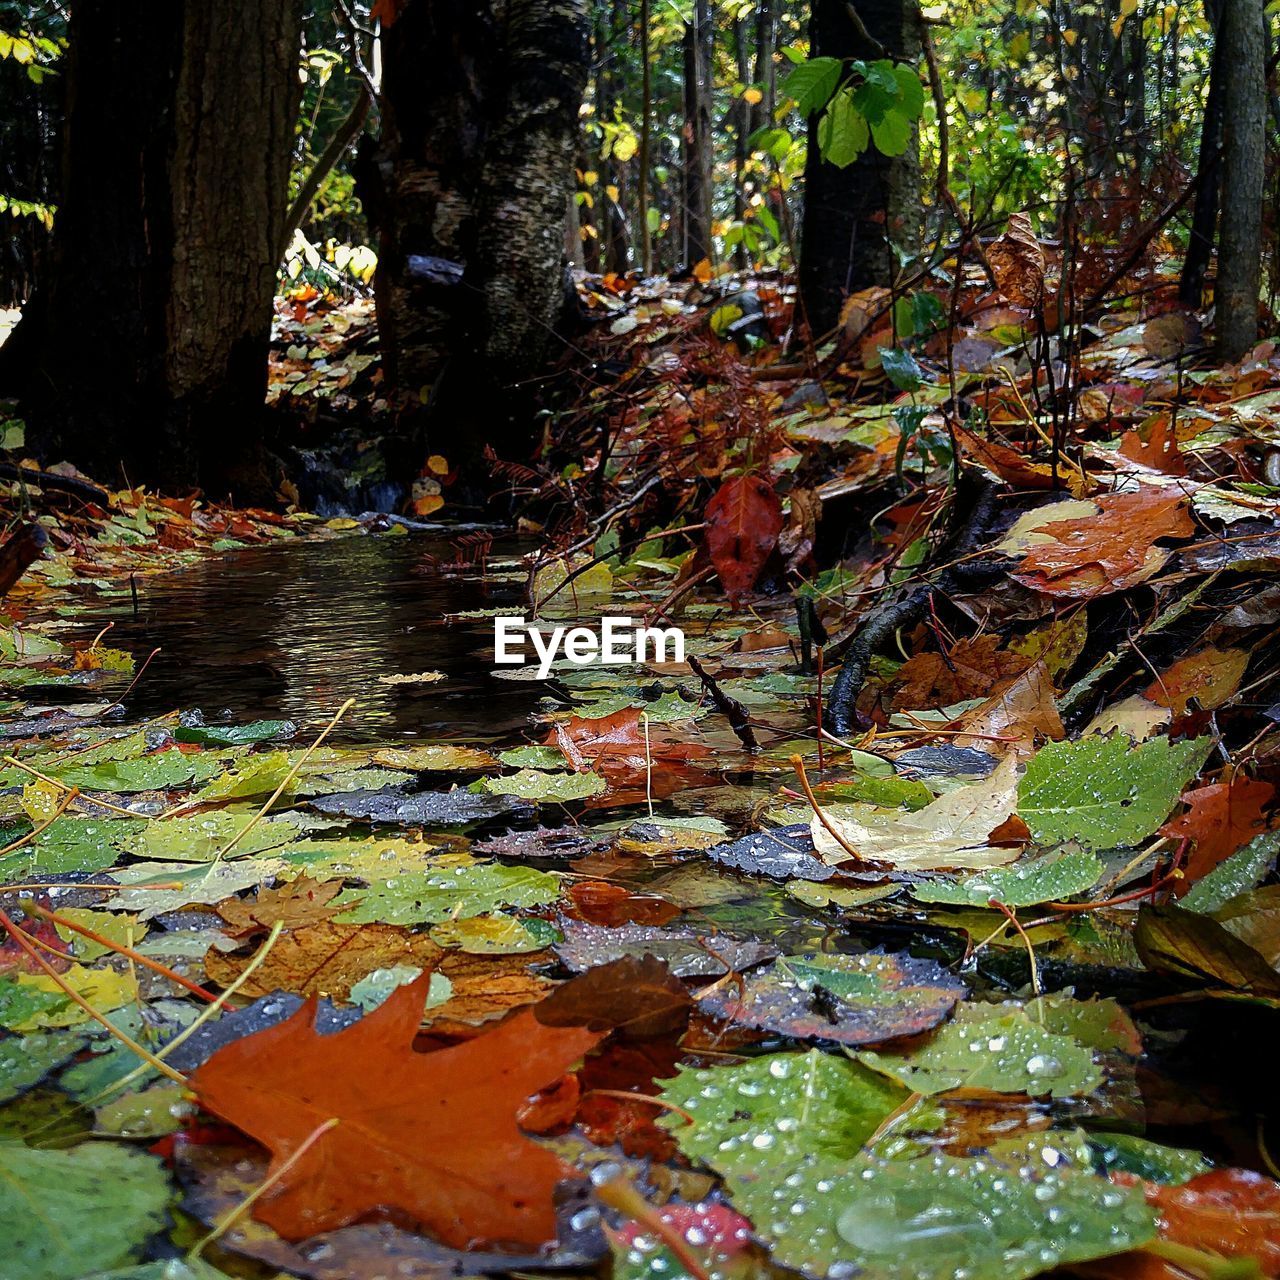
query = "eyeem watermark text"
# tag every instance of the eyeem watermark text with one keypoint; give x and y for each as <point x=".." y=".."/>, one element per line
<point x="620" y="642"/>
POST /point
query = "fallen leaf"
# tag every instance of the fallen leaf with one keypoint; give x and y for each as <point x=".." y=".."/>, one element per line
<point x="436" y="1140"/>
<point x="299" y="903"/>
<point x="1154" y="444"/>
<point x="638" y="995"/>
<point x="1220" y="818"/>
<point x="1018" y="713"/>
<point x="1017" y="260"/>
<point x="744" y="519"/>
<point x="1196" y="947"/>
<point x="1209" y="676"/>
<point x="1111" y="551"/>
<point x="950" y="832"/>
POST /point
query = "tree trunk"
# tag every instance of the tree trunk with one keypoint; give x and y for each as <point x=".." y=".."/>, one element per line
<point x="1244" y="42"/>
<point x="474" y="166"/>
<point x="144" y="355"/>
<point x="853" y="217"/>
<point x="765" y="75"/>
<point x="696" y="138"/>
<point x="1204" y="218"/>
<point x="646" y="110"/>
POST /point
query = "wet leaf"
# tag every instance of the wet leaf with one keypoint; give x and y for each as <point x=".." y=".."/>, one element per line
<point x="299" y="903"/>
<point x="494" y="935"/>
<point x="1125" y="1153"/>
<point x="850" y="1000"/>
<point x="1208" y="678"/>
<point x="950" y="832"/>
<point x="25" y="1060"/>
<point x="64" y="1214"/>
<point x="29" y="1001"/>
<point x="1220" y="818"/>
<point x="688" y="952"/>
<point x="637" y="995"/>
<point x="208" y="883"/>
<point x="426" y="809"/>
<point x="1242" y="870"/>
<point x="1196" y="947"/>
<point x="1108" y="552"/>
<point x="558" y="788"/>
<point x="460" y="1167"/>
<point x="431" y="897"/>
<point x="1105" y="792"/>
<point x="240" y="735"/>
<point x="744" y="519"/>
<point x="434" y="757"/>
<point x="989" y="1047"/>
<point x="1026" y="883"/>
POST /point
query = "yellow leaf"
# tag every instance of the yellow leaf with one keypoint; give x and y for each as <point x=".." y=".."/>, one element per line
<point x="1070" y="35"/>
<point x="41" y="800"/>
<point x="703" y="271"/>
<point x="428" y="505"/>
<point x="752" y="95"/>
<point x="590" y="178"/>
<point x="438" y="464"/>
<point x="612" y="192"/>
<point x="1128" y="8"/>
<point x="1117" y="27"/>
<point x="104" y="989"/>
<point x="342" y="523"/>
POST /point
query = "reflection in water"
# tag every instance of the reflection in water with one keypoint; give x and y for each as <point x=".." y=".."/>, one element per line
<point x="293" y="630"/>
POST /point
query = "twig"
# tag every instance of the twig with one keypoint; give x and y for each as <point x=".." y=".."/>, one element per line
<point x="733" y="711"/>
<point x="798" y="765"/>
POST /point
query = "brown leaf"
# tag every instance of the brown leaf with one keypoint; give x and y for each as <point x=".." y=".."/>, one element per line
<point x="1011" y="466"/>
<point x="298" y="903"/>
<point x="1220" y="818"/>
<point x="1171" y="334"/>
<point x="635" y="994"/>
<point x="1021" y="709"/>
<point x="1154" y="444"/>
<point x="744" y="519"/>
<point x="1209" y="676"/>
<point x="1018" y="262"/>
<point x="1111" y="551"/>
<point x="435" y="1139"/>
<point x="969" y="670"/>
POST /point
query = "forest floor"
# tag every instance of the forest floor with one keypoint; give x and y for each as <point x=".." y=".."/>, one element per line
<point x="973" y="983"/>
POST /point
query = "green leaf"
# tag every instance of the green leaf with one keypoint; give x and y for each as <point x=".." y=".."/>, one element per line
<point x="200" y="837"/>
<point x="776" y="1110"/>
<point x="533" y="757"/>
<point x="1028" y="882"/>
<point x="432" y="897"/>
<point x="1242" y="870"/>
<point x="901" y="369"/>
<point x="70" y="844"/>
<point x="26" y="1060"/>
<point x="1125" y="1153"/>
<point x="64" y="1214"/>
<point x="534" y="784"/>
<point x="495" y="935"/>
<point x="910" y="90"/>
<point x="1104" y="791"/>
<point x="842" y="131"/>
<point x="812" y="83"/>
<point x="148" y="773"/>
<point x="939" y="1217"/>
<point x="992" y="1047"/>
<point x="892" y="133"/>
<point x="238" y="735"/>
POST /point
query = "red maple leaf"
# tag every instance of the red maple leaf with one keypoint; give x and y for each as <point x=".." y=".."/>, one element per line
<point x="1220" y="818"/>
<point x="433" y="1135"/>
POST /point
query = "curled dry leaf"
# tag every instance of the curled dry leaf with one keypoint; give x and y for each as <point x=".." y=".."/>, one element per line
<point x="1017" y="259"/>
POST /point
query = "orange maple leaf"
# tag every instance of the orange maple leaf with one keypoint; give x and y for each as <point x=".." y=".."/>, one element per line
<point x="1220" y="819"/>
<point x="1111" y="551"/>
<point x="432" y="1135"/>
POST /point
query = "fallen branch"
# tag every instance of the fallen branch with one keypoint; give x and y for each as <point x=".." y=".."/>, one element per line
<point x="737" y="715"/>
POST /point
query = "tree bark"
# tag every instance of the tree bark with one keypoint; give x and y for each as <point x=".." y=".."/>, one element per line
<point x="696" y="138"/>
<point x="1244" y="41"/>
<point x="646" y="129"/>
<point x="853" y="217"/>
<point x="1204" y="218"/>
<point x="474" y="166"/>
<point x="144" y="355"/>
